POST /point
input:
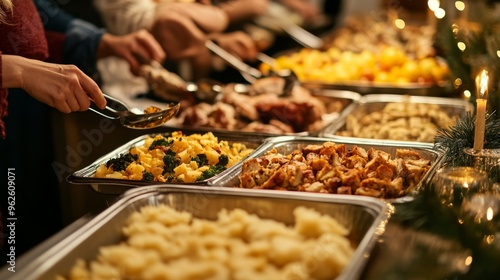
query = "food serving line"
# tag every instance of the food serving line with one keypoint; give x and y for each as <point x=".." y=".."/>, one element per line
<point x="382" y="248"/>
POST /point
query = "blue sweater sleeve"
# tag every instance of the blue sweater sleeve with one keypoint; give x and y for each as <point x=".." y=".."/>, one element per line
<point x="82" y="38"/>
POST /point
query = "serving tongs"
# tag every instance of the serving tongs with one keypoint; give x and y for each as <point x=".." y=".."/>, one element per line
<point x="117" y="110"/>
<point x="169" y="86"/>
<point x="252" y="74"/>
<point x="281" y="19"/>
<point x="300" y="35"/>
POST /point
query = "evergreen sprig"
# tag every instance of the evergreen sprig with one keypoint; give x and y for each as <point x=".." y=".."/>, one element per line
<point x="455" y="139"/>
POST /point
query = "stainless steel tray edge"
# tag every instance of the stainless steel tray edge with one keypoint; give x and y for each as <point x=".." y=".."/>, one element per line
<point x="329" y="131"/>
<point x="84" y="176"/>
<point x="366" y="88"/>
<point x="230" y="177"/>
<point x="354" y="96"/>
<point x="40" y="260"/>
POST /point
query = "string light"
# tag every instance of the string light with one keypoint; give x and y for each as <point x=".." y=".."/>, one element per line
<point x="400" y="23"/>
<point x="460" y="5"/>
<point x="433" y="4"/>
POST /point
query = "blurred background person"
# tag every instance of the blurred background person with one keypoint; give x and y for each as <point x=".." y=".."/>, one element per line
<point x="27" y="44"/>
<point x="182" y="28"/>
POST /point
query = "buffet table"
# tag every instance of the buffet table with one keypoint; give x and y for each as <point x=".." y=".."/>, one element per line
<point x="406" y="230"/>
<point x="400" y="248"/>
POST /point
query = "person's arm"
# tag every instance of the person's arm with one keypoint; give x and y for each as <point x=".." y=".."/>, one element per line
<point x="237" y="43"/>
<point x="63" y="87"/>
<point x="243" y="10"/>
<point x="182" y="28"/>
<point x="125" y="16"/>
<point x="85" y="43"/>
<point x="305" y="8"/>
<point x="81" y="38"/>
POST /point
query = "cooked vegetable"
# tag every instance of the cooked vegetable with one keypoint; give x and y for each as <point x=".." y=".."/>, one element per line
<point x="120" y="163"/>
<point x="148" y="176"/>
<point x="170" y="162"/>
<point x="160" y="142"/>
<point x="211" y="171"/>
<point x="200" y="159"/>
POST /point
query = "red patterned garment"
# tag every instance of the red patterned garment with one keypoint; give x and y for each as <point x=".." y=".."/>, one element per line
<point x="22" y="35"/>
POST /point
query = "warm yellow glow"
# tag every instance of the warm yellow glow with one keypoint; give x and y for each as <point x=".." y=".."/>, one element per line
<point x="467" y="94"/>
<point x="466" y="185"/>
<point x="489" y="214"/>
<point x="440" y="13"/>
<point x="461" y="46"/>
<point x="482" y="80"/>
<point x="468" y="261"/>
<point x="400" y="23"/>
<point x="460" y="5"/>
<point x="489" y="239"/>
<point x="498" y="53"/>
<point x="433" y="4"/>
<point x="457" y="82"/>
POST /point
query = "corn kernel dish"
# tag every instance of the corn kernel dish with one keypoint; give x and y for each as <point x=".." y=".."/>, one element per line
<point x="176" y="158"/>
<point x="163" y="243"/>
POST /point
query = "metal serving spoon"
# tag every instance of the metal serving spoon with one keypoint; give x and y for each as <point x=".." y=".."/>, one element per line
<point x="251" y="74"/>
<point x="116" y="109"/>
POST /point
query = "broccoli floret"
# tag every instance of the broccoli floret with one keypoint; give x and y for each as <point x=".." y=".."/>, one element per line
<point x="147" y="176"/>
<point x="120" y="163"/>
<point x="212" y="171"/>
<point x="223" y="160"/>
<point x="200" y="159"/>
<point x="170" y="162"/>
<point x="160" y="142"/>
<point x="170" y="178"/>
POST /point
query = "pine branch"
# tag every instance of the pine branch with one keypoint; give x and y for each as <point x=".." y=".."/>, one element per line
<point x="461" y="136"/>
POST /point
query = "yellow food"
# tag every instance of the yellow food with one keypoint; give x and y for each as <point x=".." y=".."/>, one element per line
<point x="177" y="158"/>
<point x="389" y="65"/>
<point x="162" y="243"/>
<point x="152" y="109"/>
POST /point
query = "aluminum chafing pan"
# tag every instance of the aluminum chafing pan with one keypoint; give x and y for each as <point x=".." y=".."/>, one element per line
<point x="86" y="175"/>
<point x="287" y="144"/>
<point x="365" y="217"/>
<point x="376" y="103"/>
<point x="365" y="88"/>
<point x="336" y="101"/>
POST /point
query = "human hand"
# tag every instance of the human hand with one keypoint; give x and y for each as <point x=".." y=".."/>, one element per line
<point x="140" y="43"/>
<point x="237" y="43"/>
<point x="64" y="87"/>
<point x="241" y="10"/>
<point x="181" y="28"/>
<point x="304" y="7"/>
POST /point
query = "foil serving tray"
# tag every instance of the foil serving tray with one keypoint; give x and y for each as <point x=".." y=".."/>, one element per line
<point x="287" y="144"/>
<point x="86" y="175"/>
<point x="327" y="96"/>
<point x="376" y="103"/>
<point x="364" y="217"/>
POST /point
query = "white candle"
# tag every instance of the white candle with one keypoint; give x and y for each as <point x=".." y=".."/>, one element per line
<point x="482" y="80"/>
<point x="480" y="124"/>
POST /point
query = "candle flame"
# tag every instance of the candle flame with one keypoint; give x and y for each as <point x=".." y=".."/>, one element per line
<point x="482" y="80"/>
